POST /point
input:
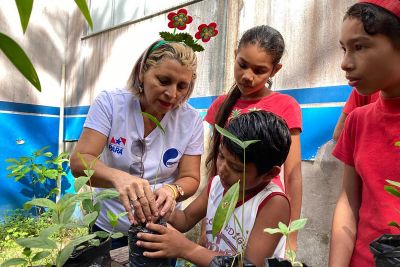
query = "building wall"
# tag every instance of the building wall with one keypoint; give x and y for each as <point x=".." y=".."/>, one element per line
<point x="58" y="41"/>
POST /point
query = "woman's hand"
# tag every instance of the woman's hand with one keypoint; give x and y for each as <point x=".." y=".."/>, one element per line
<point x="136" y="195"/>
<point x="169" y="243"/>
<point x="165" y="201"/>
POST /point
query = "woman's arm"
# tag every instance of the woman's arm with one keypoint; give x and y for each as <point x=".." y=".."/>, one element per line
<point x="188" y="178"/>
<point x="293" y="182"/>
<point x="345" y="218"/>
<point x="276" y="210"/>
<point x="90" y="145"/>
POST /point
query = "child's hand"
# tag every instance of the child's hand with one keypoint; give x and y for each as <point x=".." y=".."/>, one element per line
<point x="170" y="243"/>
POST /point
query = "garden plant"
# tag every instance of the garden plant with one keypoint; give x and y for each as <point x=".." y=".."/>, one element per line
<point x="52" y="244"/>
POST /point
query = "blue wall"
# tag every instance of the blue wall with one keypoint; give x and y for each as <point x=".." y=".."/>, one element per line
<point x="38" y="126"/>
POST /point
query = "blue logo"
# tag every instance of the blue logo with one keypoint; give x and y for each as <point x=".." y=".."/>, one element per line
<point x="170" y="157"/>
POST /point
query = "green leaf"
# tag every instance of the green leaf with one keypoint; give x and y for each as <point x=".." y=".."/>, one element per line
<point x="197" y="47"/>
<point x="66" y="213"/>
<point x="106" y="194"/>
<point x="45" y="233"/>
<point x="85" y="11"/>
<point x="94" y="242"/>
<point x="272" y="230"/>
<point x="394" y="224"/>
<point x="117" y="235"/>
<point x="284" y="229"/>
<point x="113" y="218"/>
<point x="230" y="136"/>
<point x="89" y="173"/>
<point x="80" y="182"/>
<point x="12" y="160"/>
<point x="39" y="152"/>
<point x="154" y="119"/>
<point x="249" y="142"/>
<point x="27" y="252"/>
<point x="87" y="205"/>
<point x="101" y="234"/>
<point x="19" y="59"/>
<point x="41" y="202"/>
<point x="15" y="261"/>
<point x="24" y="10"/>
<point x="225" y="209"/>
<point x="37" y="242"/>
<point x="297" y="225"/>
<point x="397" y="184"/>
<point x="397" y="143"/>
<point x="41" y="255"/>
<point x="391" y="190"/>
<point x="48" y="154"/>
<point x="89" y="218"/>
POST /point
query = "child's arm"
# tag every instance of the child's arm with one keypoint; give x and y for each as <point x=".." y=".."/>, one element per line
<point x="293" y="181"/>
<point x="345" y="218"/>
<point x="276" y="210"/>
<point x="186" y="219"/>
<point x="171" y="243"/>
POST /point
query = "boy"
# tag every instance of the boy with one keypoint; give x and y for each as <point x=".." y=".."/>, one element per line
<point x="265" y="203"/>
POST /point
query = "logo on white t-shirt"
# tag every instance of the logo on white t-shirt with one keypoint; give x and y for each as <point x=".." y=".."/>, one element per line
<point x="171" y="157"/>
<point x="117" y="146"/>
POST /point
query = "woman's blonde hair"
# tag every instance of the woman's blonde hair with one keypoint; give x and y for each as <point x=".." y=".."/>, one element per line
<point x="154" y="55"/>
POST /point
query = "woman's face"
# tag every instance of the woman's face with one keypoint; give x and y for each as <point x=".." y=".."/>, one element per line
<point x="253" y="68"/>
<point x="165" y="86"/>
<point x="371" y="62"/>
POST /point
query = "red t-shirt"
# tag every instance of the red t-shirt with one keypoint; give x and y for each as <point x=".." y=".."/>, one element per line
<point x="367" y="144"/>
<point x="281" y="105"/>
<point x="356" y="100"/>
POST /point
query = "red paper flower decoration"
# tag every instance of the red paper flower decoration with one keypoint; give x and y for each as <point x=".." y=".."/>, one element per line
<point x="179" y="19"/>
<point x="206" y="31"/>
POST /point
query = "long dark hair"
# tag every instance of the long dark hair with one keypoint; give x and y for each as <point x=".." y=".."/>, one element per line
<point x="271" y="41"/>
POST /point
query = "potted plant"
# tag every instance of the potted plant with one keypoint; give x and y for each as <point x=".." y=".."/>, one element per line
<point x="68" y="252"/>
<point x="290" y="254"/>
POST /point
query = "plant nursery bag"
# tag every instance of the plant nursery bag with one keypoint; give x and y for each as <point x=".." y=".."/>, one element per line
<point x="386" y="250"/>
<point x="92" y="256"/>
<point x="136" y="258"/>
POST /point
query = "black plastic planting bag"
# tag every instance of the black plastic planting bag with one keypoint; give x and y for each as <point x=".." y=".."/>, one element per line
<point x="386" y="250"/>
<point x="226" y="261"/>
<point x="279" y="263"/>
<point x="92" y="256"/>
<point x="136" y="258"/>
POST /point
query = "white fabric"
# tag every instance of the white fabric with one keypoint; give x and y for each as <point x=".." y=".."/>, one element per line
<point x="116" y="114"/>
<point x="231" y="237"/>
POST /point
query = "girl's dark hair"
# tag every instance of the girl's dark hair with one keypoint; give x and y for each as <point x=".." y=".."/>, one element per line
<point x="273" y="135"/>
<point x="271" y="41"/>
<point x="376" y="20"/>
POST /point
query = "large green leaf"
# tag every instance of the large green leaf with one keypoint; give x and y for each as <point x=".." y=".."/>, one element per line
<point x="19" y="59"/>
<point x="297" y="225"/>
<point x="66" y="214"/>
<point x="13" y="262"/>
<point x="37" y="242"/>
<point x="106" y="194"/>
<point x="154" y="119"/>
<point x="41" y="202"/>
<point x="79" y="182"/>
<point x="225" y="209"/>
<point x="229" y="135"/>
<point x="89" y="218"/>
<point x="40" y="255"/>
<point x="24" y="10"/>
<point x="85" y="11"/>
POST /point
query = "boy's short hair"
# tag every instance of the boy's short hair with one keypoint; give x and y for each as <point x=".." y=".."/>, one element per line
<point x="274" y="136"/>
<point x="377" y="20"/>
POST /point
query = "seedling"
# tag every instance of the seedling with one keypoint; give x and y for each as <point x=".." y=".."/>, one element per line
<point x="228" y="203"/>
<point x="285" y="230"/>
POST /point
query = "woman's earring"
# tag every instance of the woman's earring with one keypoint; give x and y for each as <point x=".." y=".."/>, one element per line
<point x="141" y="88"/>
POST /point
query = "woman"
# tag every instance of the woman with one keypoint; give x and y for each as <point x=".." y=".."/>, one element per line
<point x="150" y="169"/>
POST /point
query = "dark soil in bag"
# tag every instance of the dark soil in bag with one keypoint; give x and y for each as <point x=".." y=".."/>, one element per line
<point x="92" y="256"/>
<point x="136" y="258"/>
